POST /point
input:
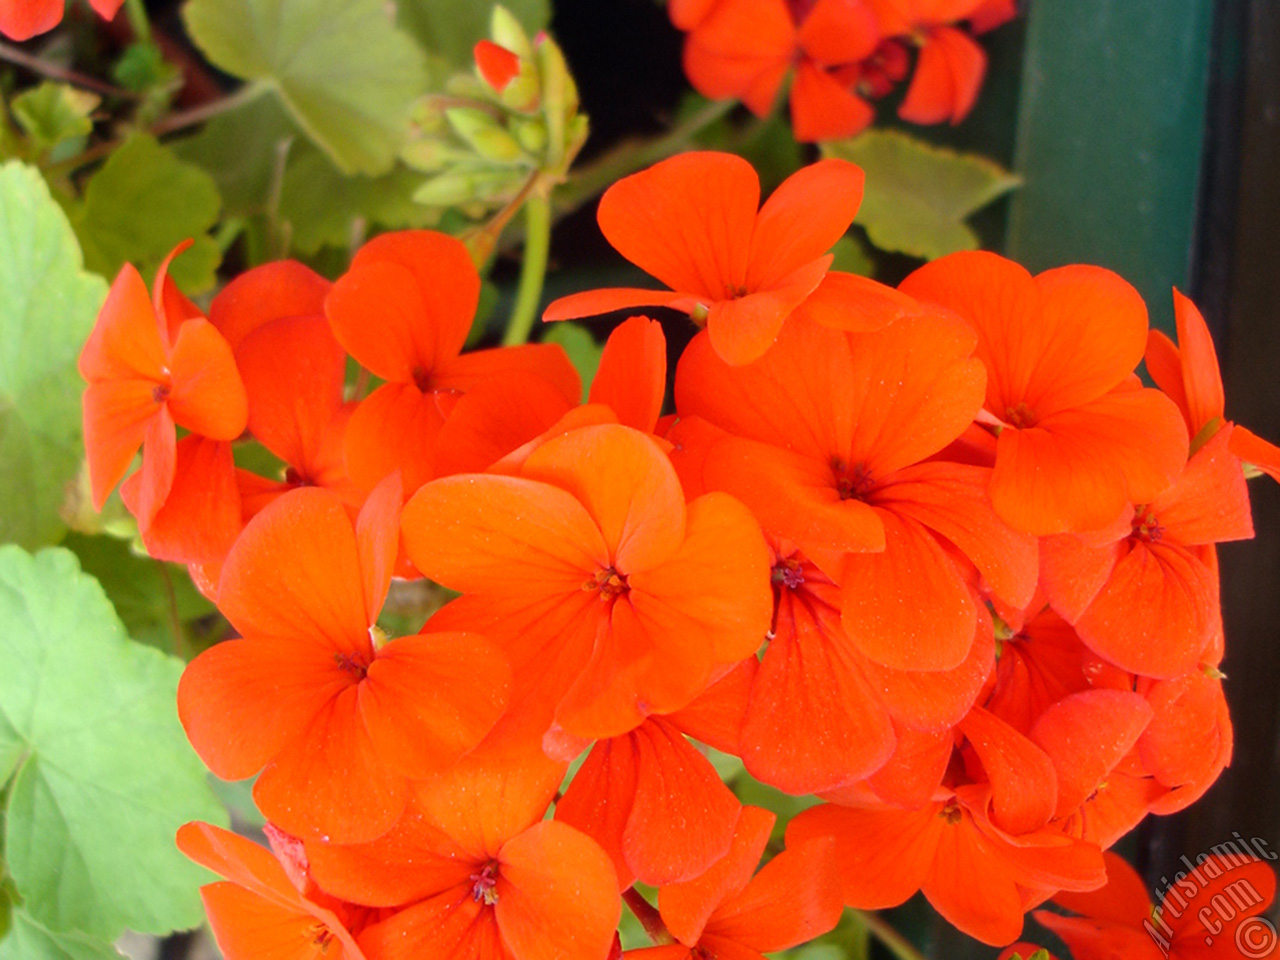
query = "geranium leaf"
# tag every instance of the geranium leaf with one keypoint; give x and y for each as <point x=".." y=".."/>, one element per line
<point x="104" y="776"/>
<point x="47" y="310"/>
<point x="918" y="196"/>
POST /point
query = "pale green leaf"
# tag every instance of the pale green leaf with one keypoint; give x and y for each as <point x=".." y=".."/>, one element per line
<point x="54" y="112"/>
<point x="47" y="308"/>
<point x="580" y="345"/>
<point x="143" y="203"/>
<point x="347" y="74"/>
<point x="106" y="775"/>
<point x="918" y="196"/>
<point x="29" y="940"/>
<point x="323" y="207"/>
<point x="449" y="29"/>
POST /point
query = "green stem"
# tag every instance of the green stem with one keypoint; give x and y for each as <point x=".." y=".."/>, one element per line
<point x="895" y="942"/>
<point x="136" y="11"/>
<point x="55" y="71"/>
<point x="649" y="918"/>
<point x="533" y="269"/>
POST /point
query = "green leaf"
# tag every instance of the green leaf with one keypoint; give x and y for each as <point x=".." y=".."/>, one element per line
<point x="322" y="206"/>
<point x="143" y="203"/>
<point x="918" y="196"/>
<point x="851" y="256"/>
<point x="105" y="776"/>
<point x="451" y="29"/>
<point x="47" y="309"/>
<point x="143" y="67"/>
<point x="240" y="150"/>
<point x="54" y="112"/>
<point x="580" y="345"/>
<point x="30" y="940"/>
<point x="347" y="75"/>
<point x="137" y="587"/>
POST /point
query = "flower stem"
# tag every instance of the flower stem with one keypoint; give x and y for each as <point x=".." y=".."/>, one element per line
<point x="136" y="11"/>
<point x="533" y="268"/>
<point x="649" y="918"/>
<point x="45" y="68"/>
<point x="895" y="942"/>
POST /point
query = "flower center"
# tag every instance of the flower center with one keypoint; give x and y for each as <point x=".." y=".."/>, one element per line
<point x="352" y="664"/>
<point x="160" y="392"/>
<point x="608" y="582"/>
<point x="1020" y="416"/>
<point x="854" y="481"/>
<point x="485" y="883"/>
<point x="951" y="813"/>
<point x="788" y="573"/>
<point x="1146" y="526"/>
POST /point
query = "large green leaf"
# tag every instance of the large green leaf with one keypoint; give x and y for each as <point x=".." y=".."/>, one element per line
<point x="322" y="206"/>
<point x="143" y="203"/>
<point x="347" y="75"/>
<point x="240" y="149"/>
<point x="47" y="307"/>
<point x="29" y="940"/>
<point x="104" y="776"/>
<point x="449" y="29"/>
<point x="918" y="196"/>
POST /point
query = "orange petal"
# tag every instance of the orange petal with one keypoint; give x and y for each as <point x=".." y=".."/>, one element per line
<point x="594" y="303"/>
<point x="394" y="428"/>
<point x="793" y="899"/>
<point x="715" y="586"/>
<point x="948" y="76"/>
<point x="686" y="907"/>
<point x="1252" y="449"/>
<point x="118" y="414"/>
<point x="846" y="301"/>
<point x="809" y="681"/>
<point x="268" y="292"/>
<point x="598" y="799"/>
<point x="687" y="221"/>
<point x="200" y="519"/>
<point x="1024" y="785"/>
<point x="547" y="361"/>
<point x="1073" y="570"/>
<point x="1209" y="503"/>
<point x="1201" y="379"/>
<point x="969" y="886"/>
<point x="247" y="927"/>
<point x="1155" y="614"/>
<point x="556" y="895"/>
<point x="293" y="371"/>
<point x="1077" y="470"/>
<point x="429" y="699"/>
<point x="242" y="702"/>
<point x="836" y="32"/>
<point x="683" y="816"/>
<point x="452" y="925"/>
<point x="126" y="340"/>
<point x="1086" y="735"/>
<point x="1165" y="367"/>
<point x="907" y="607"/>
<point x="1123" y="900"/>
<point x="330" y="782"/>
<point x="159" y="463"/>
<point x="1184" y="742"/>
<point x="483" y="533"/>
<point x="208" y="396"/>
<point x="295" y="573"/>
<point x="742" y="50"/>
<point x="245" y="863"/>
<point x="802" y="219"/>
<point x="632" y="377"/>
<point x="743" y="329"/>
<point x="915" y="771"/>
<point x="884" y="854"/>
<point x="951" y="499"/>
<point x="627" y="485"/>
<point x="824" y="109"/>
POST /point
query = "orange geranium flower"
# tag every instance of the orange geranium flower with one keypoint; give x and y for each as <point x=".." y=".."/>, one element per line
<point x="612" y="597"/>
<point x="830" y="435"/>
<point x="403" y="310"/>
<point x="746" y="48"/>
<point x="1207" y="913"/>
<point x="1188" y="374"/>
<point x="1079" y="440"/>
<point x="1148" y="601"/>
<point x="654" y="803"/>
<point x="24" y="19"/>
<point x="482" y="873"/>
<point x="692" y="222"/>
<point x="727" y="912"/>
<point x="151" y="364"/>
<point x="262" y="911"/>
<point x="314" y="687"/>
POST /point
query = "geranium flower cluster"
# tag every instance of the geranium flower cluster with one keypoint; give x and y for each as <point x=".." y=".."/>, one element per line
<point x="840" y="55"/>
<point x="932" y="553"/>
